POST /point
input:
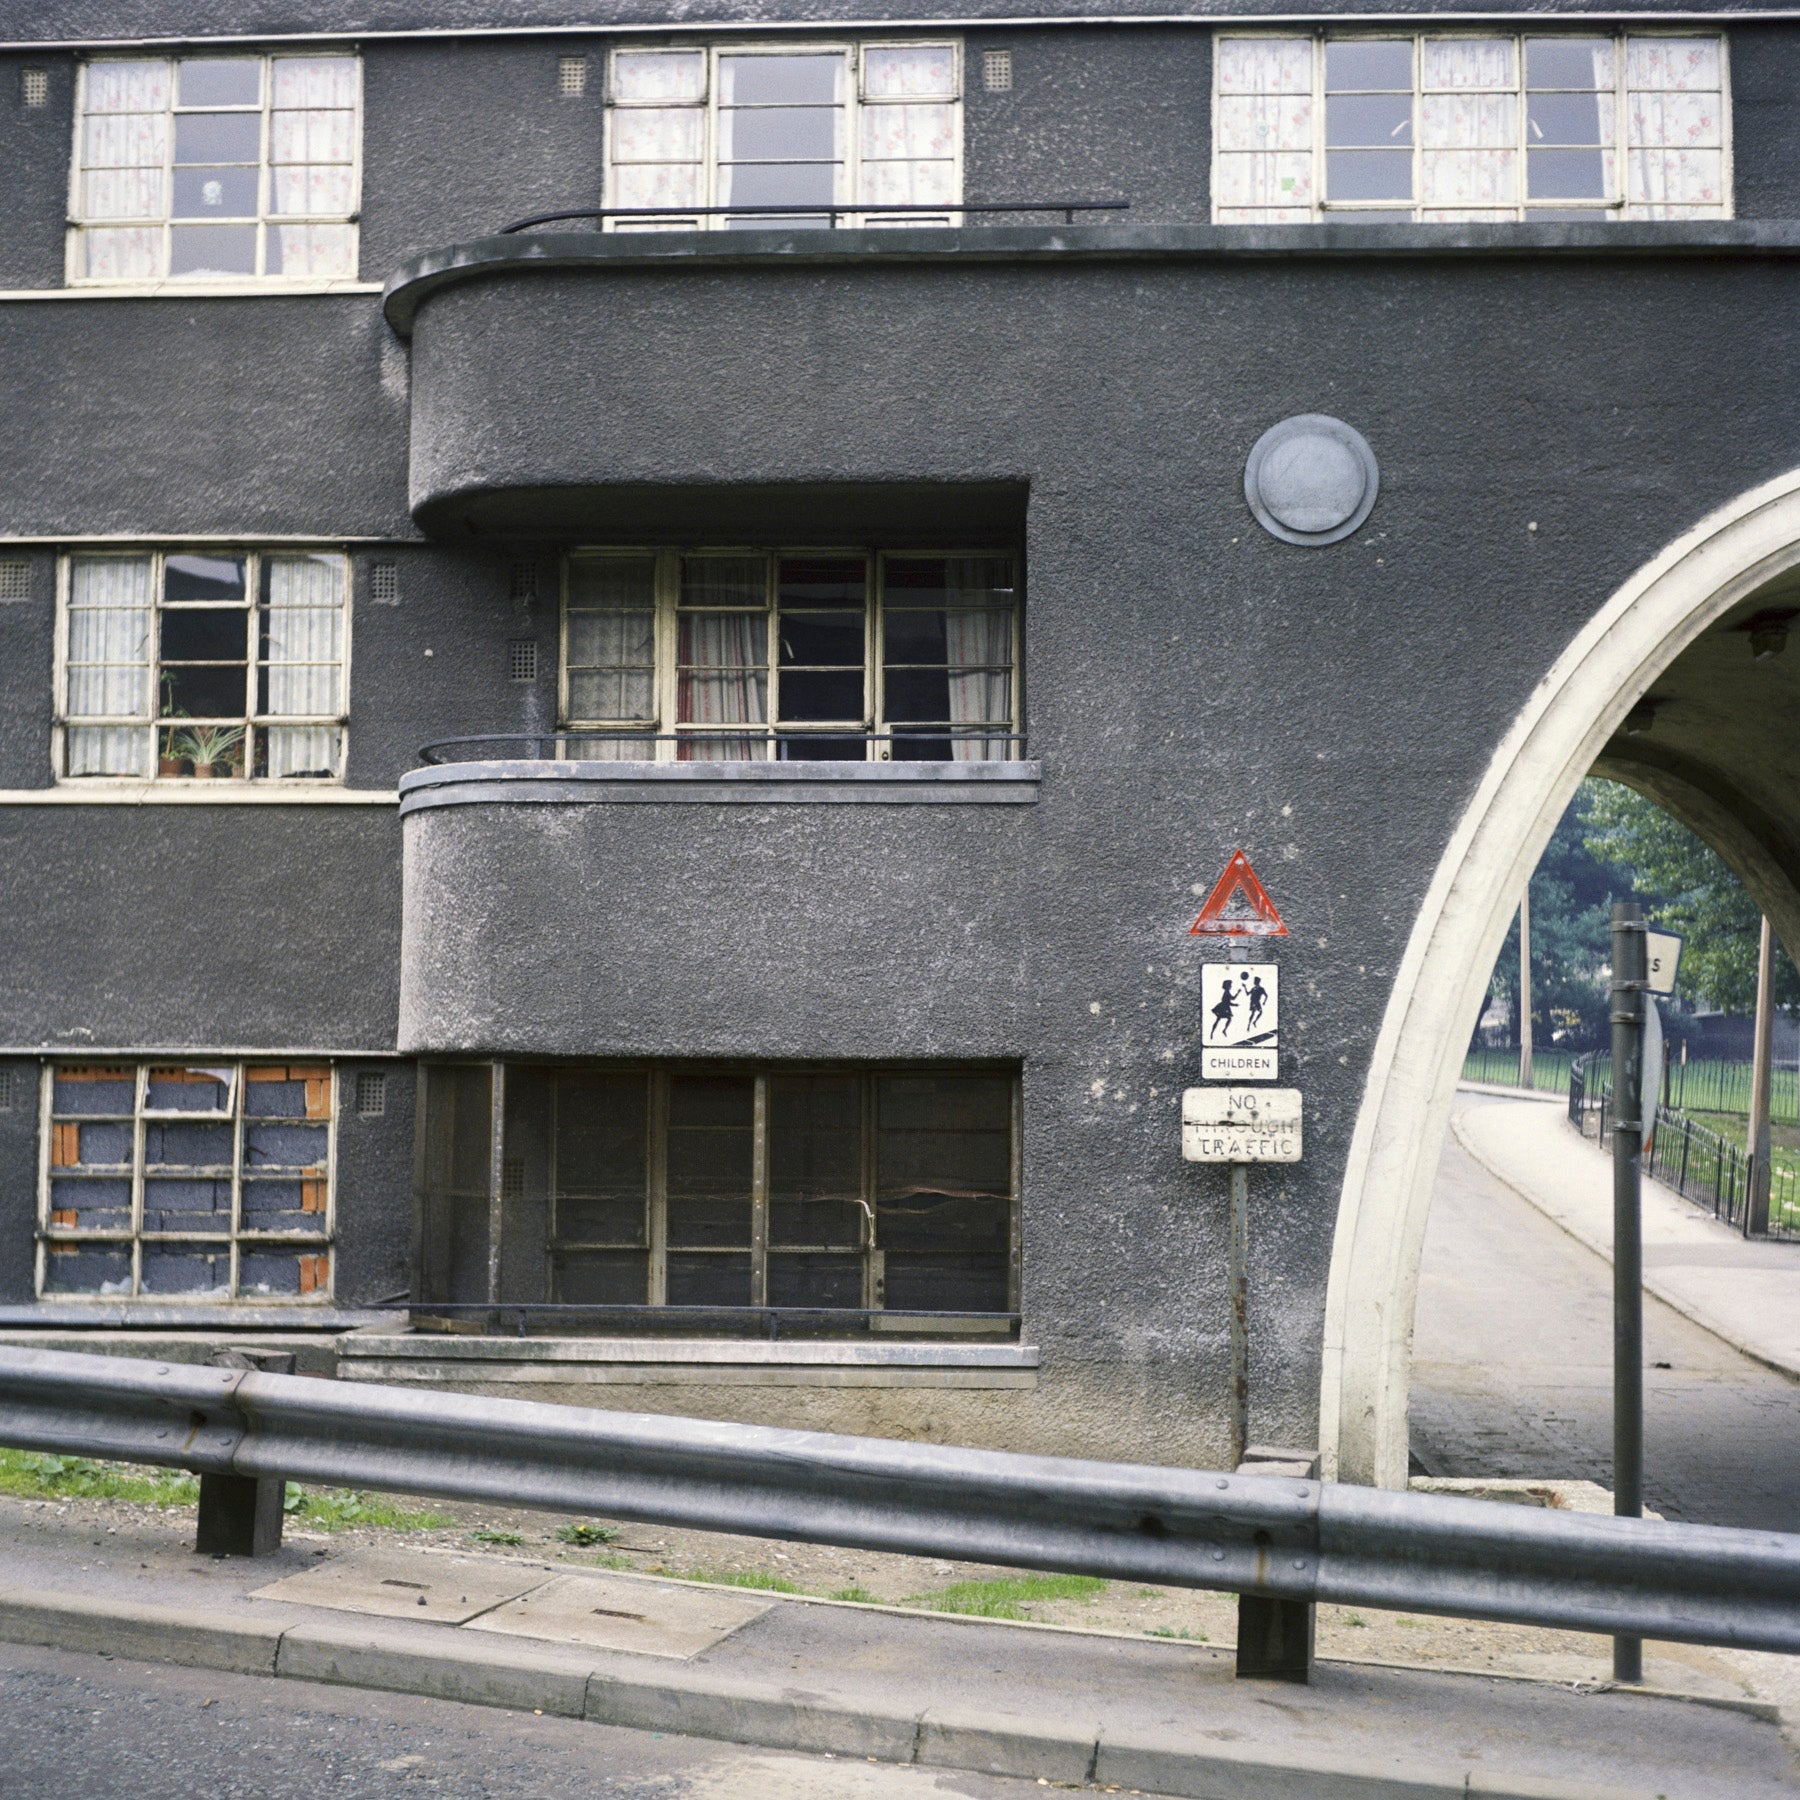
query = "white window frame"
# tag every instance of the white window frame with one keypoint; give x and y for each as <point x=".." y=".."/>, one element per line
<point x="668" y="609"/>
<point x="252" y="720"/>
<point x="855" y="99"/>
<point x="238" y="1237"/>
<point x="75" y="252"/>
<point x="1617" y="205"/>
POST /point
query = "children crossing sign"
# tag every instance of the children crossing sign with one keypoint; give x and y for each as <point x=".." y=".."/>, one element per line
<point x="1240" y="1010"/>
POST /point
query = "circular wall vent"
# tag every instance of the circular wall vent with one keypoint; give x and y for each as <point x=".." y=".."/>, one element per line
<point x="1311" y="480"/>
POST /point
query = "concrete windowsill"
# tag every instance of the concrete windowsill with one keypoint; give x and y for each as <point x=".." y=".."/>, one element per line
<point x="439" y="1358"/>
<point x="747" y="783"/>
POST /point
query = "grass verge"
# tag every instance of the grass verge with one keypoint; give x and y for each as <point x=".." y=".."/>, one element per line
<point x="1007" y="1597"/>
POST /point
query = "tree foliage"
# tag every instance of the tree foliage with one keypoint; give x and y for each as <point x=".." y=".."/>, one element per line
<point x="1687" y="888"/>
<point x="1572" y="891"/>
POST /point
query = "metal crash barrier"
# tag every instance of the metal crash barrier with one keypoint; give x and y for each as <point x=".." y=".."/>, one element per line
<point x="1268" y="1537"/>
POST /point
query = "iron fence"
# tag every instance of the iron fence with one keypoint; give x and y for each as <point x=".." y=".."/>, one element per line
<point x="734" y="743"/>
<point x="1699" y="1163"/>
<point x="1270" y="1536"/>
<point x="812" y="217"/>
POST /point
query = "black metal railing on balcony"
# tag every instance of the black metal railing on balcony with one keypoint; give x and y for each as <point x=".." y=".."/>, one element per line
<point x="821" y="217"/>
<point x="734" y="744"/>
<point x="513" y="1318"/>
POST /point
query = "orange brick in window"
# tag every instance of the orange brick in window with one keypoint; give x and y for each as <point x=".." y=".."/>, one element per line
<point x="65" y="1216"/>
<point x="314" y="1273"/>
<point x="65" y="1146"/>
<point x="312" y="1196"/>
<point x="266" y="1072"/>
<point x="318" y="1097"/>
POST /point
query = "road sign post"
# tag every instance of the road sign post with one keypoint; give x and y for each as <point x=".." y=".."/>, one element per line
<point x="1239" y="1126"/>
<point x="1630" y="972"/>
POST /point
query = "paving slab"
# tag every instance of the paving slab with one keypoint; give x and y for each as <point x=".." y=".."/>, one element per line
<point x="611" y="1612"/>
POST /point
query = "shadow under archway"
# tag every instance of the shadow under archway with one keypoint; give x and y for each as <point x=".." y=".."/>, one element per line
<point x="1717" y="745"/>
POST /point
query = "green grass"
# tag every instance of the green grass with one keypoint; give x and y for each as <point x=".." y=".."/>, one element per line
<point x="741" y="1578"/>
<point x="342" y="1509"/>
<point x="33" y="1476"/>
<point x="487" y="1535"/>
<point x="586" y="1535"/>
<point x="1167" y="1631"/>
<point x="1549" y="1069"/>
<point x="1008" y="1597"/>
<point x="856" y="1593"/>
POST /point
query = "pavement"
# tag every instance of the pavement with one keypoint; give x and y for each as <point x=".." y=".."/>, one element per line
<point x="1512" y="1348"/>
<point x="794" y="1675"/>
<point x="1744" y="1291"/>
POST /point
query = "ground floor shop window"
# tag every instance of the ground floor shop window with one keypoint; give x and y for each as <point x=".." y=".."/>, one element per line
<point x="196" y="1180"/>
<point x="615" y="1192"/>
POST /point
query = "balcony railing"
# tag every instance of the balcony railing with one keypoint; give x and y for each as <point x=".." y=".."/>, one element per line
<point x="826" y="217"/>
<point x="735" y="743"/>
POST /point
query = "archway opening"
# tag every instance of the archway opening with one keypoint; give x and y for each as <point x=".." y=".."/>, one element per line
<point x="1666" y="691"/>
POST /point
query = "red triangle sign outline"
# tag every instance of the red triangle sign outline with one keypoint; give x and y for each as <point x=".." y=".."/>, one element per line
<point x="1239" y="878"/>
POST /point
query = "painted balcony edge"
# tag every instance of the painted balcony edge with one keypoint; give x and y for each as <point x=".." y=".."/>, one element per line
<point x="745" y="784"/>
<point x="416" y="280"/>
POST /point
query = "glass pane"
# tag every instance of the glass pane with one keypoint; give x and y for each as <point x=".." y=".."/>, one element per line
<point x="659" y="75"/>
<point x="1368" y="175"/>
<point x="1381" y="121"/>
<point x="827" y="1281"/>
<point x="612" y="581"/>
<point x="187" y="1269"/>
<point x="293" y="1207"/>
<point x="815" y="1160"/>
<point x="602" y="1124"/>
<point x="1565" y="174"/>
<point x="189" y="1146"/>
<point x="708" y="1280"/>
<point x="103" y="1090"/>
<point x="90" y="1269"/>
<point x="212" y="250"/>
<point x="97" y="1204"/>
<point x="781" y="80"/>
<point x="204" y="578"/>
<point x="218" y="138"/>
<point x="283" y="1274"/>
<point x="777" y="184"/>
<point x="187" y="1205"/>
<point x="189" y="1090"/>
<point x="709" y="1159"/>
<point x="1569" y="118"/>
<point x="1583" y="64"/>
<point x="219" y="81"/>
<point x="1353" y="66"/>
<point x="204" y="634"/>
<point x="943" y="1163"/>
<point x="822" y="694"/>
<point x="909" y="69"/>
<point x="268" y="1145"/>
<point x="926" y="1283"/>
<point x="780" y="134"/>
<point x="603" y="1278"/>
<point x="1461" y="65"/>
<point x="216" y="193"/>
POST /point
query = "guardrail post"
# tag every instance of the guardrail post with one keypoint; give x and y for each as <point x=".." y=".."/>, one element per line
<point x="1275" y="1637"/>
<point x="241" y="1515"/>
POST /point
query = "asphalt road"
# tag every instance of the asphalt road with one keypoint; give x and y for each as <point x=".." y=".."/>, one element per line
<point x="1512" y="1369"/>
<point x="111" y="1730"/>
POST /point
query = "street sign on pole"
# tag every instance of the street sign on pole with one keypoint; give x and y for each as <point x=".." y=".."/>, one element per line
<point x="1240" y="1015"/>
<point x="1662" y="959"/>
<point x="1240" y="1125"/>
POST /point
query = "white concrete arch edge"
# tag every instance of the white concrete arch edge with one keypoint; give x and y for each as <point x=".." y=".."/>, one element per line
<point x="1530" y="779"/>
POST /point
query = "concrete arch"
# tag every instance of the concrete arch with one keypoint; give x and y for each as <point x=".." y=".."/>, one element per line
<point x="1563" y="733"/>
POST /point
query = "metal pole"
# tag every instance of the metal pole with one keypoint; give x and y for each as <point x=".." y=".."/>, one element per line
<point x="1525" y="986"/>
<point x="1756" y="1200"/>
<point x="1629" y="967"/>
<point x="1240" y="1311"/>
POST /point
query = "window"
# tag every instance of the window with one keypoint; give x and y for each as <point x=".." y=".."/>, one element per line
<point x="206" y="664"/>
<point x="216" y="167"/>
<point x="188" y="1181"/>
<point x="794" y="655"/>
<point x="1470" y="128"/>
<point x="825" y="1189"/>
<point x="880" y="124"/>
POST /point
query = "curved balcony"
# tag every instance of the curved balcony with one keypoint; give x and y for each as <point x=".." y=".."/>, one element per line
<point x="558" y="902"/>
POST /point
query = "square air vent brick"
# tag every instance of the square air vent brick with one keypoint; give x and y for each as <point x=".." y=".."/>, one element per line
<point x="15" y="580"/>
<point x="384" y="583"/>
<point x="371" y="1094"/>
<point x="571" y="76"/>
<point x="34" y="86"/>
<point x="996" y="71"/>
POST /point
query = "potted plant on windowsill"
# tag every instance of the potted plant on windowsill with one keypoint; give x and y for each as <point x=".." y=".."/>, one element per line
<point x="211" y="749"/>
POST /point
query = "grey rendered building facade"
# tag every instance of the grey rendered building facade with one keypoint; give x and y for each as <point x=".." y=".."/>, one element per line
<point x="862" y="656"/>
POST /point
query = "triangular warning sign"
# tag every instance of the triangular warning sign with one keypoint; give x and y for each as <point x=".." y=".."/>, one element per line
<point x="1239" y="906"/>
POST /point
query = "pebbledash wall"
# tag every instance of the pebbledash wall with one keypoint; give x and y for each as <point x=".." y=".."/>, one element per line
<point x="1550" y="404"/>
